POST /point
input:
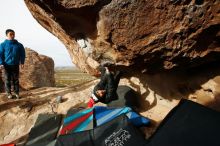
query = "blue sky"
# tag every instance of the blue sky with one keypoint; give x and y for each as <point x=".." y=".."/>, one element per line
<point x="15" y="15"/>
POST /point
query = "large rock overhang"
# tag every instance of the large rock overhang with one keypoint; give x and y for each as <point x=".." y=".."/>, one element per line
<point x="138" y="34"/>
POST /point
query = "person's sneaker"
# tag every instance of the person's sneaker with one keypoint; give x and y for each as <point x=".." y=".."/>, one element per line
<point x="17" y="96"/>
<point x="10" y="96"/>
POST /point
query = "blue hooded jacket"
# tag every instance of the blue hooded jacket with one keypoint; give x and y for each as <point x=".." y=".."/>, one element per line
<point x="11" y="53"/>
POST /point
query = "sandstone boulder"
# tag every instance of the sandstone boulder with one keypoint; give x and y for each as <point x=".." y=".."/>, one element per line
<point x="38" y="71"/>
<point x="139" y="34"/>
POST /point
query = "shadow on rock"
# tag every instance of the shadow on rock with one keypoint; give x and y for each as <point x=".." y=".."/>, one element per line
<point x="176" y="84"/>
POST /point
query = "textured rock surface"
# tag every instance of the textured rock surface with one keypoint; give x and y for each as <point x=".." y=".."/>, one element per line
<point x="141" y="34"/>
<point x="38" y="71"/>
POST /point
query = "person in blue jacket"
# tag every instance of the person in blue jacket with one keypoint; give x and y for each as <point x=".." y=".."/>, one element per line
<point x="12" y="54"/>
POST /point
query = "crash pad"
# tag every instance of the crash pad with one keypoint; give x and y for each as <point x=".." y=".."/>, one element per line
<point x="188" y="124"/>
<point x="126" y="97"/>
<point x="104" y="114"/>
<point x="45" y="129"/>
<point x="8" y="145"/>
<point x="77" y="120"/>
<point x="118" y="132"/>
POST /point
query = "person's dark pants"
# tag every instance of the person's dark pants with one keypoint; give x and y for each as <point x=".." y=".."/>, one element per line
<point x="113" y="80"/>
<point x="12" y="75"/>
<point x="109" y="79"/>
<point x="117" y="78"/>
